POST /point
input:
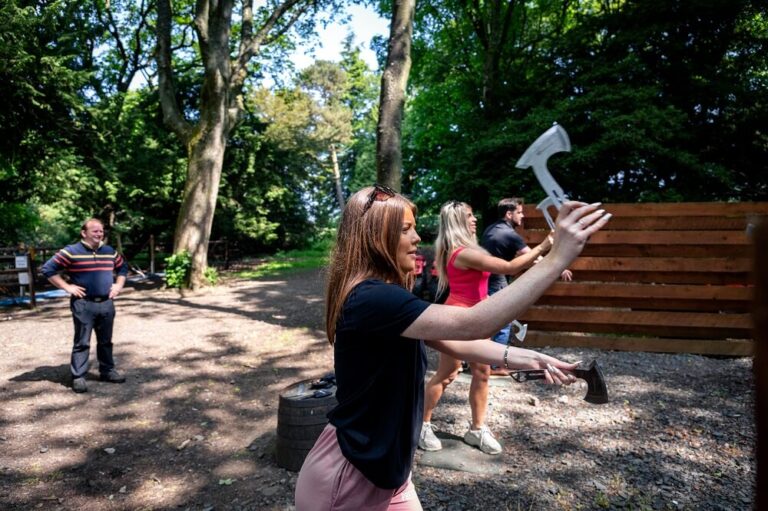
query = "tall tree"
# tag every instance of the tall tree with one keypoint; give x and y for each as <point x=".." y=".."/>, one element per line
<point x="660" y="99"/>
<point x="394" y="79"/>
<point x="327" y="83"/>
<point x="220" y="102"/>
<point x="362" y="94"/>
<point x="41" y="79"/>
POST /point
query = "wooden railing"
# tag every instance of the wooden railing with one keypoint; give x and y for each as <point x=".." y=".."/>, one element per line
<point x="669" y="277"/>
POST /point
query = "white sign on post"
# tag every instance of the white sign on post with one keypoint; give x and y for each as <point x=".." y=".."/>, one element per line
<point x="24" y="279"/>
<point x="21" y="261"/>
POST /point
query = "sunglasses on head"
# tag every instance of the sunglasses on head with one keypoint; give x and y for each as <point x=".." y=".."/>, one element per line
<point x="379" y="193"/>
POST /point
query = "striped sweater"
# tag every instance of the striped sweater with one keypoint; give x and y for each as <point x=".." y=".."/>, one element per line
<point x="91" y="269"/>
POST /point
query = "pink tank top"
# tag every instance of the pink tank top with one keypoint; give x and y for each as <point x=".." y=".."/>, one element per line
<point x="467" y="286"/>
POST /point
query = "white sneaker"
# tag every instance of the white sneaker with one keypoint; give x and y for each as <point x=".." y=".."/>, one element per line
<point x="427" y="439"/>
<point x="483" y="439"/>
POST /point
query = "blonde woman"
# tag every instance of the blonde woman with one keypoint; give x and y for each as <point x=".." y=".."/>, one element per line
<point x="378" y="328"/>
<point x="464" y="267"/>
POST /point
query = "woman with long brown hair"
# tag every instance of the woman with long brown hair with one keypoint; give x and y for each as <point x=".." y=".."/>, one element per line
<point x="378" y="329"/>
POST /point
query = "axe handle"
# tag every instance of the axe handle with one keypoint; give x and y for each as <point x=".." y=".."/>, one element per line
<point x="596" y="391"/>
<point x="527" y="375"/>
<point x="538" y="374"/>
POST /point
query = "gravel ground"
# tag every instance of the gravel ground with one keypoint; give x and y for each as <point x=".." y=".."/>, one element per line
<point x="194" y="426"/>
<point x="678" y="434"/>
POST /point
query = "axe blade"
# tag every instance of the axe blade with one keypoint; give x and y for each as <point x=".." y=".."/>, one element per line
<point x="597" y="392"/>
<point x="552" y="141"/>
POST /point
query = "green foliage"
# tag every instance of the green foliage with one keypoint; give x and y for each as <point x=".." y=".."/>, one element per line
<point x="659" y="98"/>
<point x="278" y="187"/>
<point x="664" y="101"/>
<point x="211" y="275"/>
<point x="177" y="267"/>
<point x="40" y="113"/>
<point x="17" y="222"/>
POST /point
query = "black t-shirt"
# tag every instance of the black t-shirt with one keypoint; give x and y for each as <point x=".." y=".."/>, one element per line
<point x="380" y="381"/>
<point x="501" y="240"/>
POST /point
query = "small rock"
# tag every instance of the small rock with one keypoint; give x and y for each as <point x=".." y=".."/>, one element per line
<point x="123" y="489"/>
<point x="199" y="438"/>
<point x="183" y="444"/>
<point x="268" y="492"/>
<point x="43" y="449"/>
<point x="562" y="399"/>
<point x="533" y="401"/>
<point x="109" y="450"/>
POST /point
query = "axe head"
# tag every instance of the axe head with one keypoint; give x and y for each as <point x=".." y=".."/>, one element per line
<point x="552" y="141"/>
<point x="519" y="330"/>
<point x="597" y="392"/>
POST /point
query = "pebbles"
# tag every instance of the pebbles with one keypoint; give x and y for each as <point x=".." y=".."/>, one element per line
<point x="678" y="434"/>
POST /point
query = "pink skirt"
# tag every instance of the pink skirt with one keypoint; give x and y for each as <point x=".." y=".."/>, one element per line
<point x="327" y="481"/>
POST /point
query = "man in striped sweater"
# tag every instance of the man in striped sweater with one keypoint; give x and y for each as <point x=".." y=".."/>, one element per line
<point x="91" y="266"/>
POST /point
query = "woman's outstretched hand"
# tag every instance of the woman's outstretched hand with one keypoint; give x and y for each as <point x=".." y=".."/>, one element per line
<point x="557" y="372"/>
<point x="576" y="222"/>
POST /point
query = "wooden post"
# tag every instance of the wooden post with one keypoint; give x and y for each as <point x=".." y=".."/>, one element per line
<point x="760" y="365"/>
<point x="226" y="253"/>
<point x="151" y="254"/>
<point x="31" y="272"/>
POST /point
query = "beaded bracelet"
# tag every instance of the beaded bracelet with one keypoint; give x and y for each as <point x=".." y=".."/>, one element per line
<point x="506" y="352"/>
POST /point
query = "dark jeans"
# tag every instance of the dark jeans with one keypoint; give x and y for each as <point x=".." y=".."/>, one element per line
<point x="91" y="316"/>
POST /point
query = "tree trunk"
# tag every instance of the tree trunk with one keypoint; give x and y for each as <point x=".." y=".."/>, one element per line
<point x="337" y="178"/>
<point x="220" y="106"/>
<point x="394" y="79"/>
<point x="193" y="226"/>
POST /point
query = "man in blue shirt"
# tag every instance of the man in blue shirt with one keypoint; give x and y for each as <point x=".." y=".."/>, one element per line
<point x="90" y="265"/>
<point x="501" y="240"/>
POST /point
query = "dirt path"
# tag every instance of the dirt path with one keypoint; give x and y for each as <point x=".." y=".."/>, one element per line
<point x="194" y="426"/>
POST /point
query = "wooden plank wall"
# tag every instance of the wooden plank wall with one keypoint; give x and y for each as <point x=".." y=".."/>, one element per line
<point x="669" y="277"/>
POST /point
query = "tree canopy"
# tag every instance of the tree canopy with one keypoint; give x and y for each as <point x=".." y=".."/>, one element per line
<point x="660" y="99"/>
<point x="663" y="101"/>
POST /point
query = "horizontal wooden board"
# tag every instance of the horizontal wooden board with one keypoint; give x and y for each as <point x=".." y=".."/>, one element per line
<point x="671" y="216"/>
<point x="659" y="277"/>
<point x="649" y="297"/>
<point x="722" y="293"/>
<point x="658" y="323"/>
<point x="726" y="347"/>
<point x="710" y="223"/>
<point x="687" y="251"/>
<point x="736" y="239"/>
<point x="673" y="209"/>
<point x="663" y="264"/>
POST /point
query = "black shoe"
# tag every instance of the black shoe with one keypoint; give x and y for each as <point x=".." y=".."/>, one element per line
<point x="112" y="377"/>
<point x="79" y="386"/>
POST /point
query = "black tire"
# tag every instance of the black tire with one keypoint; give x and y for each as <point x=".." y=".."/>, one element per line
<point x="301" y="417"/>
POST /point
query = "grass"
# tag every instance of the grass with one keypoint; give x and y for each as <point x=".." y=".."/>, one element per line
<point x="287" y="262"/>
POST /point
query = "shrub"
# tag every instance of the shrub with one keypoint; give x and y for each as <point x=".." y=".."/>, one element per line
<point x="211" y="275"/>
<point x="177" y="268"/>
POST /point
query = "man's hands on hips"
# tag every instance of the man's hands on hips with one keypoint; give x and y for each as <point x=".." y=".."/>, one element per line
<point x="76" y="291"/>
<point x="115" y="290"/>
<point x="117" y="287"/>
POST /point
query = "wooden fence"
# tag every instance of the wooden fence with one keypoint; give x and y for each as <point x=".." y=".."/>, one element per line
<point x="659" y="277"/>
